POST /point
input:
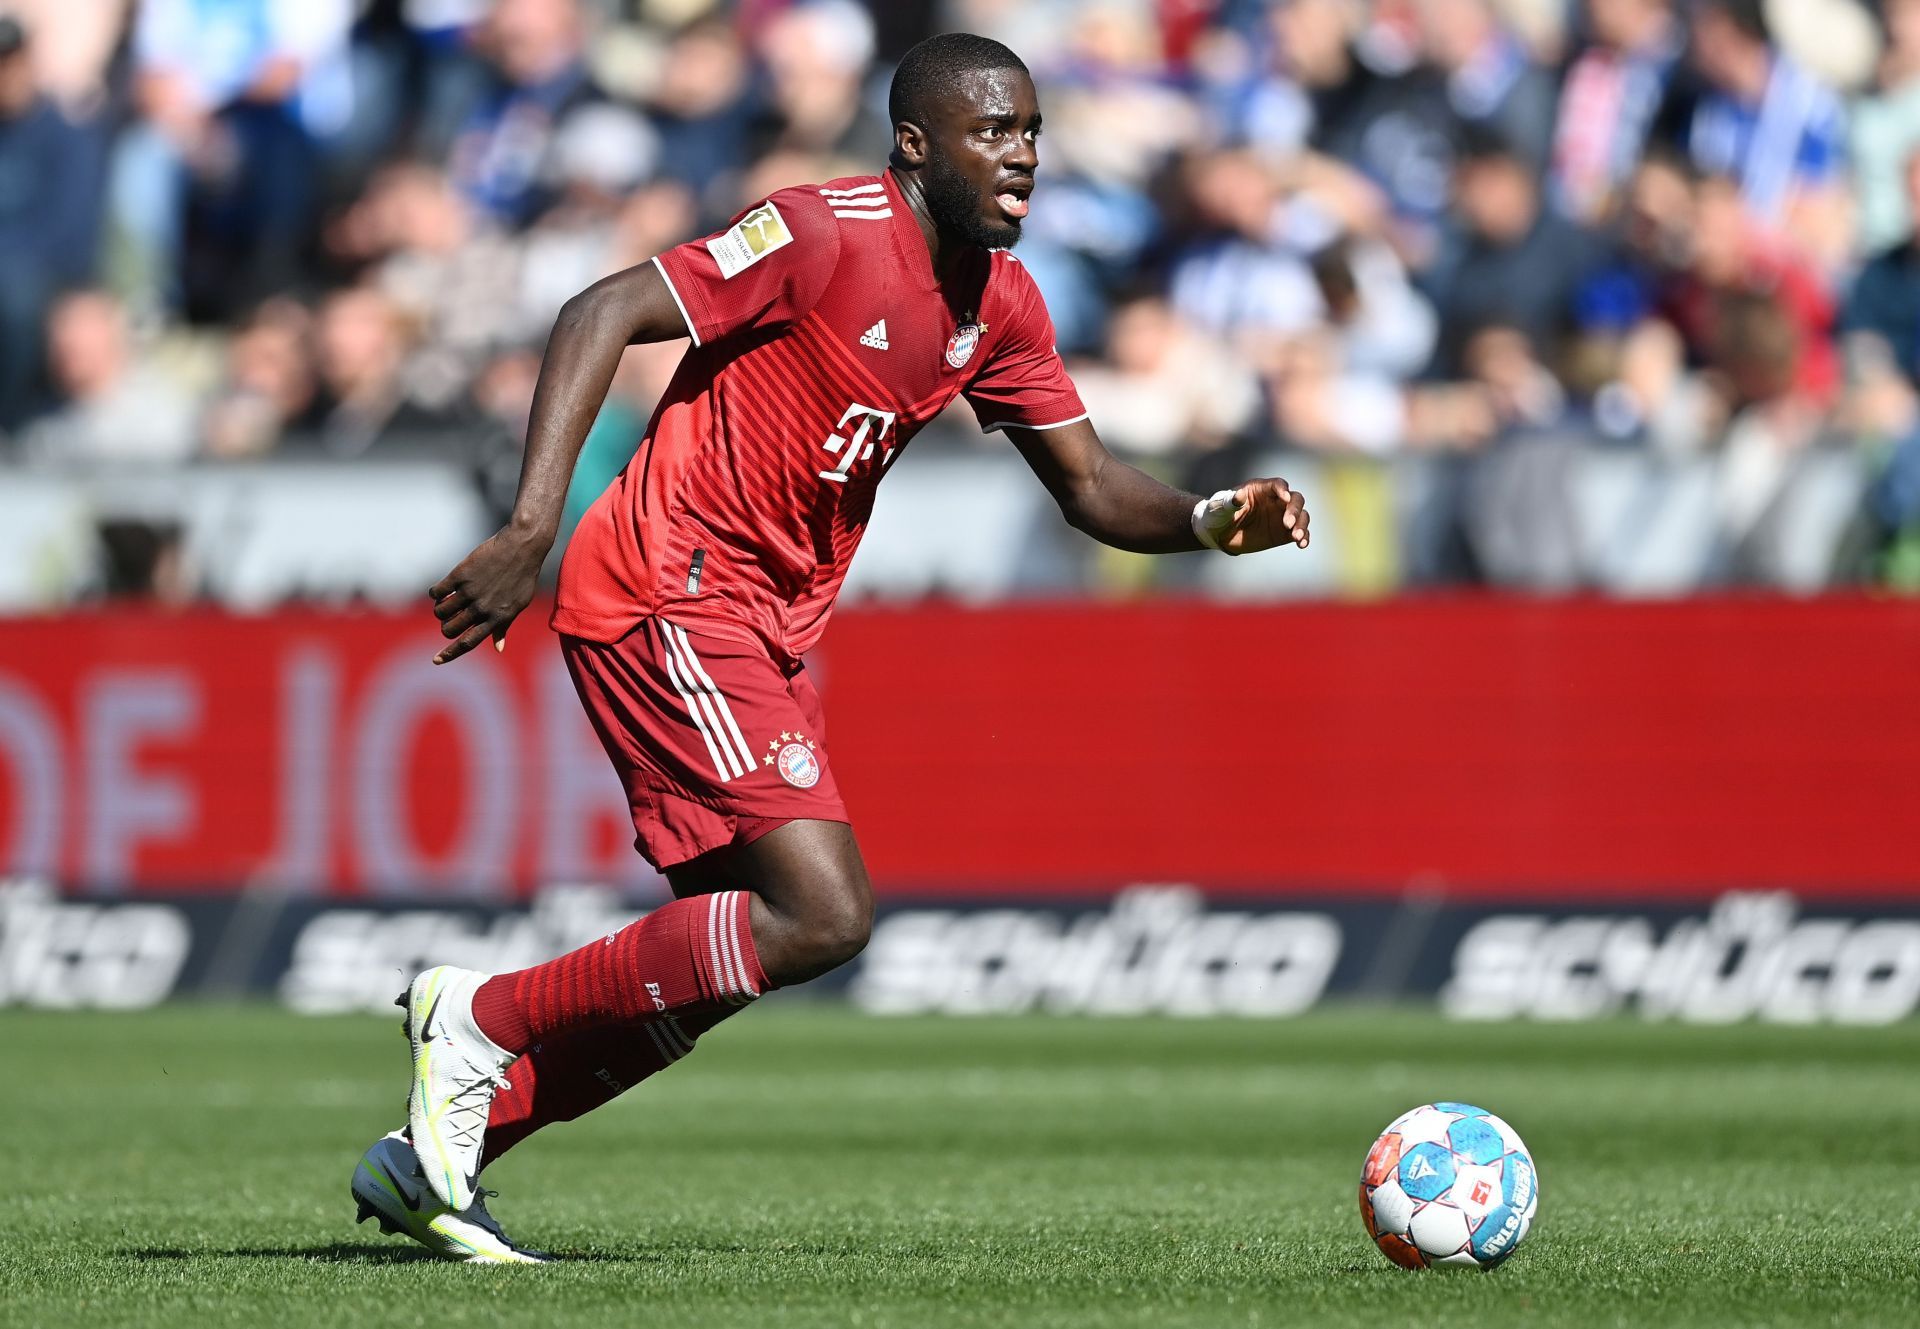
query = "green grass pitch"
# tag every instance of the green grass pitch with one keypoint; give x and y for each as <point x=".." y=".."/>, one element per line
<point x="810" y="1167"/>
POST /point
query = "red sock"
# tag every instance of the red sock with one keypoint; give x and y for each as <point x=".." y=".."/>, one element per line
<point x="685" y="955"/>
<point x="572" y="1074"/>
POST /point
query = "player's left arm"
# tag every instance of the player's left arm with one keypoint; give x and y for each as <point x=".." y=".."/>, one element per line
<point x="1122" y="506"/>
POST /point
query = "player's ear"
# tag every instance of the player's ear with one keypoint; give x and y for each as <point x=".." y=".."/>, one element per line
<point x="909" y="144"/>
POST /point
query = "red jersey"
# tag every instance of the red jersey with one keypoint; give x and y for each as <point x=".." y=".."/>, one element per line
<point x="822" y="343"/>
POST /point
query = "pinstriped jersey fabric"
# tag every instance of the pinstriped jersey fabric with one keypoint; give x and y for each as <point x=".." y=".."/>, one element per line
<point x="822" y="343"/>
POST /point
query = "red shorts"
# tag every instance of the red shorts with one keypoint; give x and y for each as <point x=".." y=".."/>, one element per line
<point x="715" y="743"/>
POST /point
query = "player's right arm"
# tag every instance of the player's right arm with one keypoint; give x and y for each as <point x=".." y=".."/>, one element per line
<point x="766" y="269"/>
<point x="487" y="591"/>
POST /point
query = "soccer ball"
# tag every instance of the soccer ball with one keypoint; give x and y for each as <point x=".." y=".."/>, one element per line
<point x="1448" y="1184"/>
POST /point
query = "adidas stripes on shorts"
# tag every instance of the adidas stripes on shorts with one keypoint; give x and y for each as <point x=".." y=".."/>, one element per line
<point x="714" y="742"/>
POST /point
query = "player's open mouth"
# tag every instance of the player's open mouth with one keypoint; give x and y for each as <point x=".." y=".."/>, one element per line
<point x="1013" y="202"/>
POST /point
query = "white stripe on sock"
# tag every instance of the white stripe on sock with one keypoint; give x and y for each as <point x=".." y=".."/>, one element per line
<point x="736" y="978"/>
<point x="733" y="942"/>
<point x="713" y="944"/>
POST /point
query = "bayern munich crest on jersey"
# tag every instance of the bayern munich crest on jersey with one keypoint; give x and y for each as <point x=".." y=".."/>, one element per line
<point x="960" y="345"/>
<point x="793" y="756"/>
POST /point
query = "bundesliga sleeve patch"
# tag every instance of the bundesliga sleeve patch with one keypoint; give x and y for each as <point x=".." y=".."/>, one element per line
<point x="749" y="240"/>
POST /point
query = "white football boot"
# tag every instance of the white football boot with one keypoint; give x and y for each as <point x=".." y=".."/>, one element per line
<point x="456" y="1071"/>
<point x="388" y="1185"/>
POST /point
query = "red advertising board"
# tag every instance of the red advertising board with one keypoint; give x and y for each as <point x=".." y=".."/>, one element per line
<point x="1481" y="747"/>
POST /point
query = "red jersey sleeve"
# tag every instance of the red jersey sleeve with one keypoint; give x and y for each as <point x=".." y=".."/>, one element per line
<point x="765" y="270"/>
<point x="1023" y="383"/>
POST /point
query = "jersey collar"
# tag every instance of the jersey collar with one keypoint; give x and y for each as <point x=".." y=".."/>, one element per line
<point x="907" y="239"/>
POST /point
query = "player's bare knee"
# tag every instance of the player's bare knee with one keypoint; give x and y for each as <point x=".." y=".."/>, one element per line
<point x="848" y="926"/>
<point x="836" y="926"/>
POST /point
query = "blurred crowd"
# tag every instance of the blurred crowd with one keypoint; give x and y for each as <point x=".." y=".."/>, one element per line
<point x="1464" y="242"/>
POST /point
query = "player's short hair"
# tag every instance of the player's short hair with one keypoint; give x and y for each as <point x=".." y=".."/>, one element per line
<point x="932" y="68"/>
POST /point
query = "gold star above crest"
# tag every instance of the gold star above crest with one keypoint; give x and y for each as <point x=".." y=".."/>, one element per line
<point x="767" y="760"/>
<point x="809" y="745"/>
<point x="785" y="737"/>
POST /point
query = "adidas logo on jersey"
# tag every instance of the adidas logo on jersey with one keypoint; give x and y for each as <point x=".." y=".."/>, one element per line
<point x="875" y="336"/>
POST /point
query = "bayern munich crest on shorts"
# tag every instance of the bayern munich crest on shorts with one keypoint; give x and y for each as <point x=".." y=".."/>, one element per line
<point x="794" y="758"/>
<point x="960" y="345"/>
<point x="799" y="767"/>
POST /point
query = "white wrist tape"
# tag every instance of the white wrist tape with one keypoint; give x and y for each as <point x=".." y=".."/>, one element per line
<point x="1213" y="519"/>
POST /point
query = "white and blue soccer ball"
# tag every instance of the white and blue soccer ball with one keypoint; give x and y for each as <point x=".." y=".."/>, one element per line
<point x="1448" y="1184"/>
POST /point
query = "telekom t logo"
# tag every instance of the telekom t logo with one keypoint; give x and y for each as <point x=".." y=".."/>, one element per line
<point x="860" y="446"/>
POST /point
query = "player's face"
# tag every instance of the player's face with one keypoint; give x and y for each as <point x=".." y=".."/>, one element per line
<point x="982" y="151"/>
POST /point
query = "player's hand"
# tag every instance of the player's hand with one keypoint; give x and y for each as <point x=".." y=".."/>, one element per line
<point x="1266" y="514"/>
<point x="481" y="597"/>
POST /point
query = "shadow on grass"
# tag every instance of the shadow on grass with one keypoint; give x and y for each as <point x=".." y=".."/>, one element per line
<point x="333" y="1252"/>
<point x="342" y="1252"/>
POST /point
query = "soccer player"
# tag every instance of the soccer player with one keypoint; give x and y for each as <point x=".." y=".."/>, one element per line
<point x="829" y="323"/>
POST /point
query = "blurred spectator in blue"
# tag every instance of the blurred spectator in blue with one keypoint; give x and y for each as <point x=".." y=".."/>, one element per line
<point x="536" y="78"/>
<point x="233" y="96"/>
<point x="438" y="79"/>
<point x="1365" y="107"/>
<point x="1767" y="123"/>
<point x="113" y="406"/>
<point x="700" y="104"/>
<point x="1491" y="81"/>
<point x="1268" y="272"/>
<point x="1886" y="132"/>
<point x="1505" y="259"/>
<point x="49" y="214"/>
<point x="1114" y="120"/>
<point x="1610" y="101"/>
<point x="1885" y="299"/>
<point x="1651" y="246"/>
<point x="1340" y="386"/>
<point x="1240" y="277"/>
<point x="1380" y="323"/>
